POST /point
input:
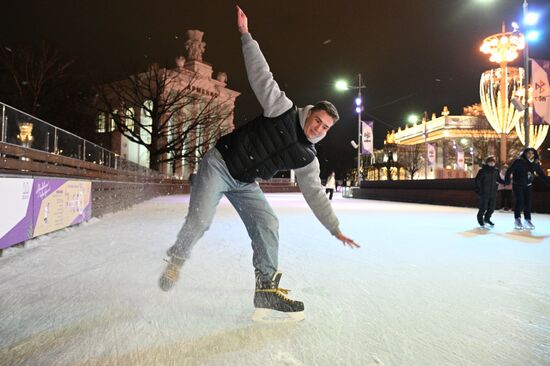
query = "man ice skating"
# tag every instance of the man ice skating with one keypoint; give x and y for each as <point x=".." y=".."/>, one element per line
<point x="523" y="169"/>
<point x="282" y="138"/>
<point x="486" y="188"/>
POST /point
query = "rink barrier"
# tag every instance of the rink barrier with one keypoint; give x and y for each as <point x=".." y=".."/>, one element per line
<point x="109" y="196"/>
<point x="34" y="206"/>
<point x="448" y="192"/>
<point x="37" y="205"/>
<point x="26" y="139"/>
<point x="15" y="159"/>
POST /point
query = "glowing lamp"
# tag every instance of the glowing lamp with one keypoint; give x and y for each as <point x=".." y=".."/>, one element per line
<point x="531" y="18"/>
<point x="413" y="118"/>
<point x="341" y="85"/>
<point x="533" y="35"/>
<point x="503" y="47"/>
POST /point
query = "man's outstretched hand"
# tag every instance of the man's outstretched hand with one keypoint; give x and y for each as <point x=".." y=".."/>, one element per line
<point x="242" y="21"/>
<point x="347" y="241"/>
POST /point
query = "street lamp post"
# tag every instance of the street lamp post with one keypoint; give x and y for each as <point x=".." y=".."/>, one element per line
<point x="358" y="109"/>
<point x="529" y="19"/>
<point x="530" y="135"/>
<point x="526" y="82"/>
<point x="342" y="85"/>
<point x="426" y="162"/>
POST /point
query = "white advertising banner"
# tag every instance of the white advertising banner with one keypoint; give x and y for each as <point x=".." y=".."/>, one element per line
<point x="32" y="207"/>
<point x="367" y="138"/>
<point x="541" y="91"/>
<point x="15" y="210"/>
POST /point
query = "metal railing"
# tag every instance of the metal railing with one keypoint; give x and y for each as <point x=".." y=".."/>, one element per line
<point x="22" y="129"/>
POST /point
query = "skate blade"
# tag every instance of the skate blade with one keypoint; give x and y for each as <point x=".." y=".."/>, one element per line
<point x="272" y="316"/>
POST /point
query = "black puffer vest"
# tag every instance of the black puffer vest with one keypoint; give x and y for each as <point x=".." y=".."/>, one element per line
<point x="264" y="146"/>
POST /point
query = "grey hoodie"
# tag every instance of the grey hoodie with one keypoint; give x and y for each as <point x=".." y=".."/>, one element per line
<point x="274" y="103"/>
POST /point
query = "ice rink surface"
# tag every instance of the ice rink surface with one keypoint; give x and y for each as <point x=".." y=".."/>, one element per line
<point x="426" y="288"/>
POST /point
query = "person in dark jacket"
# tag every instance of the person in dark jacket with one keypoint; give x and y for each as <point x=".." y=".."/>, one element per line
<point x="282" y="138"/>
<point x="523" y="169"/>
<point x="486" y="187"/>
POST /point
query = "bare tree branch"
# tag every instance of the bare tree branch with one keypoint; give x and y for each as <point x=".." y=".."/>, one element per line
<point x="410" y="158"/>
<point x="32" y="71"/>
<point x="180" y="121"/>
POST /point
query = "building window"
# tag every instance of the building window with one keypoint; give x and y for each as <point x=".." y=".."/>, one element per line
<point x="112" y="123"/>
<point x="130" y="115"/>
<point x="100" y="125"/>
<point x="146" y="122"/>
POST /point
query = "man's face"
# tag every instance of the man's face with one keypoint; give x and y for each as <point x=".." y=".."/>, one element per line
<point x="317" y="124"/>
<point x="530" y="154"/>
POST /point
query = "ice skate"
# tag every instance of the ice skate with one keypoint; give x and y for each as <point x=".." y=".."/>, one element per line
<point x="171" y="273"/>
<point x="518" y="225"/>
<point x="528" y="225"/>
<point x="482" y="225"/>
<point x="272" y="304"/>
<point x="489" y="224"/>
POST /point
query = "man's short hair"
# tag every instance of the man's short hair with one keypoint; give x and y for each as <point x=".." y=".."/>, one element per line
<point x="328" y="107"/>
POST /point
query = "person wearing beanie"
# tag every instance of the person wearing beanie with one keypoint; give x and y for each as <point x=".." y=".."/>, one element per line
<point x="486" y="187"/>
<point x="524" y="169"/>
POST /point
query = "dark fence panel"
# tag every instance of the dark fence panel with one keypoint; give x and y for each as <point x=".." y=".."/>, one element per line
<point x="109" y="196"/>
<point x="451" y="192"/>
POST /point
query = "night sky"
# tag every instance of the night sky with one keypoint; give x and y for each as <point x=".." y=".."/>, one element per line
<point x="415" y="56"/>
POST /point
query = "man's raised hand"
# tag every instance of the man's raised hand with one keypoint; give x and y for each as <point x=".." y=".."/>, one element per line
<point x="242" y="21"/>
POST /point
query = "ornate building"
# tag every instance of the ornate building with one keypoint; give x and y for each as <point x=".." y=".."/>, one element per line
<point x="458" y="144"/>
<point x="201" y="97"/>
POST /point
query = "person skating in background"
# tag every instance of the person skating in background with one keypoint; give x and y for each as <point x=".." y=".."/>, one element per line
<point x="283" y="138"/>
<point x="505" y="191"/>
<point x="191" y="180"/>
<point x="486" y="188"/>
<point x="523" y="171"/>
<point x="331" y="185"/>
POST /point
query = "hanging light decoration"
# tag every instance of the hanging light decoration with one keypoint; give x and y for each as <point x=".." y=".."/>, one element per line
<point x="499" y="86"/>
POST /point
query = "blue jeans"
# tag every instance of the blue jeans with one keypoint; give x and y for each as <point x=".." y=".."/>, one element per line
<point x="212" y="181"/>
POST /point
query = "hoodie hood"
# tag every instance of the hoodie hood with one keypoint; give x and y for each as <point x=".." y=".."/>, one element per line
<point x="302" y="114"/>
<point x="489" y="159"/>
<point x="524" y="154"/>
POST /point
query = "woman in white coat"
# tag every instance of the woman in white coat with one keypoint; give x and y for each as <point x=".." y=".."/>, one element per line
<point x="331" y="185"/>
